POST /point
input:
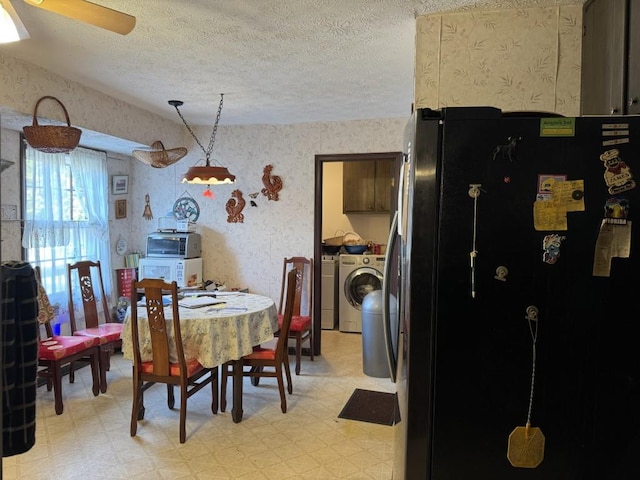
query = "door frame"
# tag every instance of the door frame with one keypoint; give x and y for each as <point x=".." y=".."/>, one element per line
<point x="317" y="223"/>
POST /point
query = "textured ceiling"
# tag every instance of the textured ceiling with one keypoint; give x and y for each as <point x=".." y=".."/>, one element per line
<point x="276" y="61"/>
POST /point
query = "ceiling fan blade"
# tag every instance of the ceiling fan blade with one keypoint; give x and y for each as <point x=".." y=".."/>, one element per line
<point x="88" y="12"/>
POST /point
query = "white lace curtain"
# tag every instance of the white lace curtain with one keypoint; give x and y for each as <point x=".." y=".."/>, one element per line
<point x="51" y="235"/>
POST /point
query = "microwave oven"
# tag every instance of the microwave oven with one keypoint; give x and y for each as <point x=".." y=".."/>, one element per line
<point x="186" y="272"/>
<point x="174" y="245"/>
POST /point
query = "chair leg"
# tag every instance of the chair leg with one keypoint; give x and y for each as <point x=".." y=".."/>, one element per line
<point x="311" y="343"/>
<point x="298" y="351"/>
<point x="171" y="399"/>
<point x="104" y="365"/>
<point x="95" y="372"/>
<point x="135" y="406"/>
<point x="214" y="390"/>
<point x="283" y="398"/>
<point x="223" y="386"/>
<point x="183" y="413"/>
<point x="287" y="371"/>
<point x="72" y="373"/>
<point x="57" y="387"/>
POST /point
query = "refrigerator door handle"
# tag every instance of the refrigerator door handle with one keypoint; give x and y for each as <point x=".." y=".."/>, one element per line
<point x="392" y="359"/>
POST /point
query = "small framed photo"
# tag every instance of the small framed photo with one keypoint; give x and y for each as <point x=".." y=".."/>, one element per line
<point x="119" y="184"/>
<point x="121" y="209"/>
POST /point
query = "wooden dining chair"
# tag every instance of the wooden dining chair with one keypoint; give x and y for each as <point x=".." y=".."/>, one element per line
<point x="57" y="351"/>
<point x="301" y="324"/>
<point x="186" y="373"/>
<point x="261" y="358"/>
<point x="88" y="274"/>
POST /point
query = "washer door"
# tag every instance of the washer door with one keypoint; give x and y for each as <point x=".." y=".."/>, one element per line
<point x="359" y="283"/>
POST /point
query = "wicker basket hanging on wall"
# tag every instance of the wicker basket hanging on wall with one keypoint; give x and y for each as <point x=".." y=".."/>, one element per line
<point x="158" y="157"/>
<point x="52" y="138"/>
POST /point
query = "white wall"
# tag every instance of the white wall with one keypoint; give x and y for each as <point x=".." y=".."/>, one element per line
<point x="245" y="254"/>
<point x="250" y="254"/>
<point x="514" y="59"/>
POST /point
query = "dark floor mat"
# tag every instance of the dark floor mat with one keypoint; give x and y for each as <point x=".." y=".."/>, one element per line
<point x="372" y="407"/>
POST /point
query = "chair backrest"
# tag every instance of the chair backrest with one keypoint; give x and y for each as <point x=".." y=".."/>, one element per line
<point x="47" y="325"/>
<point x="153" y="290"/>
<point x="282" y="347"/>
<point x="88" y="274"/>
<point x="299" y="264"/>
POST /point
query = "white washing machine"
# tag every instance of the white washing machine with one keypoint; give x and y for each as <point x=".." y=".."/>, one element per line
<point x="359" y="275"/>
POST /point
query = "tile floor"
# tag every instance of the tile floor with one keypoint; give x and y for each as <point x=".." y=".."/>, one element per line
<point x="91" y="438"/>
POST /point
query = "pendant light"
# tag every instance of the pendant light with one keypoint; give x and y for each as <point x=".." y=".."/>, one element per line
<point x="207" y="174"/>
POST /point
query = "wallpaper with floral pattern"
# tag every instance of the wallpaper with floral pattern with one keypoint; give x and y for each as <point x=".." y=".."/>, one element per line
<point x="524" y="59"/>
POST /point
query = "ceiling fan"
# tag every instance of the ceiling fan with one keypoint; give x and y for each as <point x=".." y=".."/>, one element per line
<point x="89" y="12"/>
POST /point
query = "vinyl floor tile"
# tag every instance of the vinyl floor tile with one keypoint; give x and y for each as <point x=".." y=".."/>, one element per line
<point x="91" y="438"/>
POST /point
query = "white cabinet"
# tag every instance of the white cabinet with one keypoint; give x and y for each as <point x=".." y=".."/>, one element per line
<point x="329" y="292"/>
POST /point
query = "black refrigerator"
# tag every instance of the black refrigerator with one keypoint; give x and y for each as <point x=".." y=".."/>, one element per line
<point x="515" y="267"/>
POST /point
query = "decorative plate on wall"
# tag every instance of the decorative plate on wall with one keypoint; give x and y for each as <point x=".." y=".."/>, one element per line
<point x="186" y="208"/>
<point x="121" y="246"/>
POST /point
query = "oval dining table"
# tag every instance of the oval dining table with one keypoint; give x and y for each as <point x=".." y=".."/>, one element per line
<point x="214" y="334"/>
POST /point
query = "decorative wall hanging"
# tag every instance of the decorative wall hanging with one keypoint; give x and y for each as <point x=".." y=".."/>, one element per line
<point x="272" y="183"/>
<point x="147" y="214"/>
<point x="158" y="157"/>
<point x="52" y="138"/>
<point x="121" y="209"/>
<point x="209" y="174"/>
<point x="253" y="196"/>
<point x="234" y="207"/>
<point x="119" y="184"/>
<point x="186" y="208"/>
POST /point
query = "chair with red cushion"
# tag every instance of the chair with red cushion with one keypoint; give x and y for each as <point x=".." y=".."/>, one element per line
<point x="187" y="373"/>
<point x="88" y="274"/>
<point x="56" y="351"/>
<point x="301" y="324"/>
<point x="267" y="357"/>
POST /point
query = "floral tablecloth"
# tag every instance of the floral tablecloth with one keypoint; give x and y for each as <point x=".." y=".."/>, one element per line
<point x="212" y="335"/>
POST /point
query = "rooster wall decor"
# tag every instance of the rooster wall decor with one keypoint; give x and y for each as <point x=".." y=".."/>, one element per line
<point x="272" y="183"/>
<point x="234" y="207"/>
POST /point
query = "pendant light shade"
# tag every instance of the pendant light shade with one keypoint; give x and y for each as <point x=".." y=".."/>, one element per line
<point x="208" y="174"/>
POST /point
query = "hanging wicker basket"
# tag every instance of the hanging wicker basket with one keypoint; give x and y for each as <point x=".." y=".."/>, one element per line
<point x="52" y="138"/>
<point x="158" y="157"/>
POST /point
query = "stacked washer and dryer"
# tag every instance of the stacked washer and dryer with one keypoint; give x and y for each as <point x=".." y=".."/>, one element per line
<point x="358" y="276"/>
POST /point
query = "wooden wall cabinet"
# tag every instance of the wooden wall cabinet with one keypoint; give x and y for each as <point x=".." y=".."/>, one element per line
<point x="367" y="186"/>
<point x="611" y="58"/>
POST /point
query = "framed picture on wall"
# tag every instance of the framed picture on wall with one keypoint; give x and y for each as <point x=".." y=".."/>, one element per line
<point x="119" y="184"/>
<point x="121" y="209"/>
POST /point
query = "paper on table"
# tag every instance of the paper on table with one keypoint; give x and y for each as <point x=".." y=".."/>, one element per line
<point x="196" y="302"/>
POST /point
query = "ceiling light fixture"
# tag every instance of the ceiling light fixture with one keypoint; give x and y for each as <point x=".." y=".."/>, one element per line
<point x="11" y="27"/>
<point x="207" y="174"/>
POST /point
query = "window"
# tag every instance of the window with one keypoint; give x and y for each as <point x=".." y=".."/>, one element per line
<point x="66" y="216"/>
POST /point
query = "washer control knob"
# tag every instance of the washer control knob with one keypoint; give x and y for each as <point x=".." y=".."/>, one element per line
<point x="365" y="260"/>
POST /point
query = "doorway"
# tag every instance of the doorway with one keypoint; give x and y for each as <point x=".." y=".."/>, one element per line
<point x="320" y="161"/>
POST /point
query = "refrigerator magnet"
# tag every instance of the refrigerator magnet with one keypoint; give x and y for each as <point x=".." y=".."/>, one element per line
<point x="616" y="211"/>
<point x="617" y="174"/>
<point x="551" y="246"/>
<point x="501" y="273"/>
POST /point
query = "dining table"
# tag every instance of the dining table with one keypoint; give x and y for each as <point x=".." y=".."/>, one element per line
<point x="213" y="334"/>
